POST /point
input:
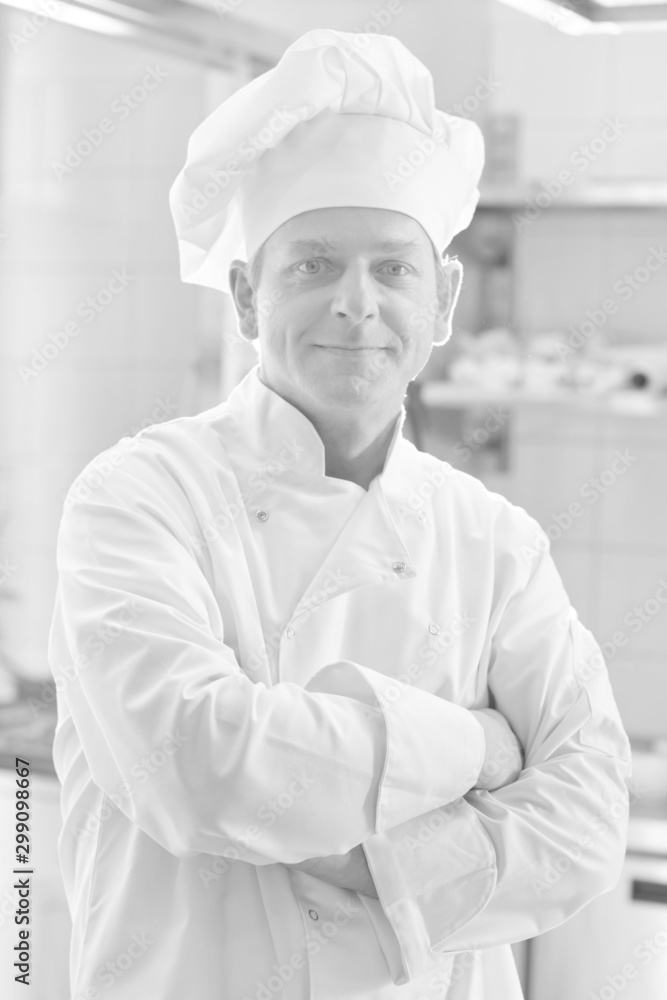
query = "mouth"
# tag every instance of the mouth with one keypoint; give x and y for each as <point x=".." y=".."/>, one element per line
<point x="350" y="350"/>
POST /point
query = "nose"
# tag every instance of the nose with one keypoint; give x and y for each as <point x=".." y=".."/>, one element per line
<point x="354" y="296"/>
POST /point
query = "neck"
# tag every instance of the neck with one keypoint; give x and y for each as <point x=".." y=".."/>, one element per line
<point x="354" y="450"/>
<point x="355" y="443"/>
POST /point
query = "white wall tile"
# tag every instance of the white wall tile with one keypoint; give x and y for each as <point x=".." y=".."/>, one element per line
<point x="545" y="72"/>
<point x="633" y="507"/>
<point x="559" y="270"/>
<point x="575" y="565"/>
<point x="561" y="423"/>
<point x="548" y="479"/>
<point x="97" y="218"/>
<point x="642" y="152"/>
<point x="586" y="147"/>
<point x="38" y="489"/>
<point x="568" y="262"/>
<point x="641" y="74"/>
<point x="640" y="689"/>
<point x="625" y="582"/>
<point x="39" y="307"/>
<point x="635" y="429"/>
<point x="162" y="320"/>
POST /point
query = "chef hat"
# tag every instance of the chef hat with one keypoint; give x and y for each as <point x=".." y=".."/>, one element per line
<point x="341" y="120"/>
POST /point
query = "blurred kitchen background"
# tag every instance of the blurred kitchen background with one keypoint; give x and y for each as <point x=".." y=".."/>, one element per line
<point x="557" y="365"/>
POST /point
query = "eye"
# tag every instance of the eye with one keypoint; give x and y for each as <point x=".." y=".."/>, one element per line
<point x="311" y="260"/>
<point x="397" y="264"/>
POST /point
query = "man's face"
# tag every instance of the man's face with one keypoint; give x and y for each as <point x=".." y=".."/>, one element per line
<point x="347" y="308"/>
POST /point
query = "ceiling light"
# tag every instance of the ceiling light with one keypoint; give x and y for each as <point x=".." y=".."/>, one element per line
<point x="580" y="17"/>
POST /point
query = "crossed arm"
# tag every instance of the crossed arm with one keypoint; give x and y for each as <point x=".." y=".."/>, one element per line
<point x="503" y="762"/>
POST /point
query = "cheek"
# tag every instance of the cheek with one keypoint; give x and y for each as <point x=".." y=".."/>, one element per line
<point x="416" y="317"/>
<point x="287" y="324"/>
<point x="416" y="333"/>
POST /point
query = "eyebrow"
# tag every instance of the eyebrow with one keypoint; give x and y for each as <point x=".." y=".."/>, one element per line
<point x="325" y="244"/>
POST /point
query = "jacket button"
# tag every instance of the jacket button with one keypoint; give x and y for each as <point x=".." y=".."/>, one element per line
<point x="261" y="515"/>
<point x="313" y="914"/>
<point x="433" y="629"/>
<point x="290" y="633"/>
<point x="399" y="567"/>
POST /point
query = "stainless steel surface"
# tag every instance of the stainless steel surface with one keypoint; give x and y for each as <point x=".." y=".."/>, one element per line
<point x="190" y="31"/>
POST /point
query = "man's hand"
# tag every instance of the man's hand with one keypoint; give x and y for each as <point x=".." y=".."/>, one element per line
<point x="349" y="871"/>
<point x="503" y="763"/>
<point x="503" y="760"/>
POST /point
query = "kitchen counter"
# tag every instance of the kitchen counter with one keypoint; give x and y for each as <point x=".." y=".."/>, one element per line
<point x="448" y="394"/>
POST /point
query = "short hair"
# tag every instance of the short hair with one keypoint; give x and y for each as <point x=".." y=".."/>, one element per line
<point x="253" y="269"/>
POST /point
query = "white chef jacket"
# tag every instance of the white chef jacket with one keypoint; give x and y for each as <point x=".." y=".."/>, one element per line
<point x="257" y="664"/>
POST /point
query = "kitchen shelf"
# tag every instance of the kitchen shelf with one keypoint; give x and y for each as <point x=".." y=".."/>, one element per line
<point x="612" y="194"/>
<point x="505" y="207"/>
<point x="443" y="394"/>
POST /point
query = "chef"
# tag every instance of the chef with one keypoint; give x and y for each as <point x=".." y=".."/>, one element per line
<point x="328" y="725"/>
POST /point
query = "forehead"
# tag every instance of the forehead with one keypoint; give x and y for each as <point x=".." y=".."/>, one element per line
<point x="350" y="230"/>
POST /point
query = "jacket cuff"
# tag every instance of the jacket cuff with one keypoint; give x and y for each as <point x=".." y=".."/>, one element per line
<point x="432" y="874"/>
<point x="435" y="749"/>
<point x="386" y="936"/>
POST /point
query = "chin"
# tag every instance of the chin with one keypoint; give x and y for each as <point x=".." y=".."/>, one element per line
<point x="348" y="390"/>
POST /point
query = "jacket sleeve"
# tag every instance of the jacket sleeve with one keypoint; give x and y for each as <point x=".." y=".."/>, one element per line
<point x="278" y="773"/>
<point x="497" y="867"/>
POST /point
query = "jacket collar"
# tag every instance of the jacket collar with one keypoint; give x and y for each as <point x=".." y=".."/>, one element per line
<point x="270" y="426"/>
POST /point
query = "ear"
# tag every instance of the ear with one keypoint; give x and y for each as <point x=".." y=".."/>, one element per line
<point x="448" y="293"/>
<point x="243" y="297"/>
